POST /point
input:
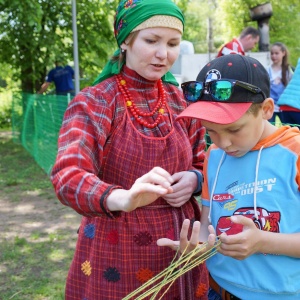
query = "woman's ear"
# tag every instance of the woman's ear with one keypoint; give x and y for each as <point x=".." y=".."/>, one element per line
<point x="123" y="47"/>
<point x="268" y="108"/>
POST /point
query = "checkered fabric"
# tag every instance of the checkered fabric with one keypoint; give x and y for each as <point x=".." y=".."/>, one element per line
<point x="101" y="147"/>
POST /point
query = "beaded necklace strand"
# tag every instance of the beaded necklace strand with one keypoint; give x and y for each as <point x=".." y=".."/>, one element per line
<point x="137" y="114"/>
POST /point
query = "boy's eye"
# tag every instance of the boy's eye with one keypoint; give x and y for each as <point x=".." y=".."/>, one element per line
<point x="234" y="130"/>
<point x="209" y="131"/>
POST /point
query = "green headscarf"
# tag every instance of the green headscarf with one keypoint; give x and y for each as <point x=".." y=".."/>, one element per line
<point x="129" y="14"/>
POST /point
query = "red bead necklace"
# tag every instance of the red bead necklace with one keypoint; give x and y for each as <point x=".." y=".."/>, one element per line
<point x="137" y="114"/>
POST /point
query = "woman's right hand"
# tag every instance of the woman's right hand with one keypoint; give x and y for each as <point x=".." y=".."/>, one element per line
<point x="144" y="191"/>
<point x="187" y="245"/>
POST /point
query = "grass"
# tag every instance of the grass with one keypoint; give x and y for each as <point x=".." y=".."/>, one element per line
<point x="37" y="233"/>
<point x="33" y="270"/>
<point x="19" y="169"/>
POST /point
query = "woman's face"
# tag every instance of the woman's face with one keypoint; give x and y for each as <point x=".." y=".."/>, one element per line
<point x="153" y="51"/>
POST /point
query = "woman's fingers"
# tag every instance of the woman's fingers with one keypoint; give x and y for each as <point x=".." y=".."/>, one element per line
<point x="169" y="243"/>
<point x="157" y="176"/>
<point x="185" y="244"/>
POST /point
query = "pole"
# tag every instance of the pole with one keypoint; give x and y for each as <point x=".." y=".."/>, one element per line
<point x="209" y="37"/>
<point x="75" y="47"/>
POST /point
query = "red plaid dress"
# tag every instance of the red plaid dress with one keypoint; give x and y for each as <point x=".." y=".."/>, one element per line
<point x="101" y="147"/>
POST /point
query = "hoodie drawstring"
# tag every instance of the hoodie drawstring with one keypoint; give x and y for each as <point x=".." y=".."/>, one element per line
<point x="256" y="178"/>
<point x="216" y="179"/>
<point x="214" y="187"/>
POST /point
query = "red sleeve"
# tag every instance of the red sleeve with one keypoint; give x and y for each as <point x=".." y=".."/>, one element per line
<point x="80" y="151"/>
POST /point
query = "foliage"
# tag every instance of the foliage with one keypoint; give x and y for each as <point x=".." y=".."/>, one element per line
<point x="7" y="77"/>
<point x="5" y="117"/>
<point x="5" y="110"/>
<point x="3" y="83"/>
<point x="35" y="32"/>
<point x="234" y="15"/>
<point x="197" y="13"/>
<point x="229" y="17"/>
<point x="284" y="25"/>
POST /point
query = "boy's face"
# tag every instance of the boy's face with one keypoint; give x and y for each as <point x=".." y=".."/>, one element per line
<point x="237" y="138"/>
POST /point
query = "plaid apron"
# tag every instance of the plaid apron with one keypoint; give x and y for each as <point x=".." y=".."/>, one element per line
<point x="115" y="256"/>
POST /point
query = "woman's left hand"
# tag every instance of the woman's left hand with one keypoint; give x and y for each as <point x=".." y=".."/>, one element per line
<point x="183" y="188"/>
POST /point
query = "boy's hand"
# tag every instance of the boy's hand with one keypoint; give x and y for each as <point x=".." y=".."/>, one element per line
<point x="244" y="244"/>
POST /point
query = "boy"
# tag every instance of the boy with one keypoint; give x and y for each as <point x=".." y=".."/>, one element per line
<point x="250" y="194"/>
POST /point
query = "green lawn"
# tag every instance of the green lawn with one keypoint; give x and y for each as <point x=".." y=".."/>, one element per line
<point x="37" y="233"/>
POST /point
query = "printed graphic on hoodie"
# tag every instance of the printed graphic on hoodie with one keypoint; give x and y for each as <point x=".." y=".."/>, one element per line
<point x="267" y="221"/>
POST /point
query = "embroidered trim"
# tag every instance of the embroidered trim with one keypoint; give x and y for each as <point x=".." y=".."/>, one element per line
<point x="128" y="4"/>
<point x="89" y="231"/>
<point x="143" y="238"/>
<point x="112" y="274"/>
<point x="113" y="237"/>
<point x="86" y="268"/>
<point x="201" y="290"/>
<point x="144" y="275"/>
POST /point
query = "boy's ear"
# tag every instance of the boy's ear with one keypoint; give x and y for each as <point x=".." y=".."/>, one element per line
<point x="268" y="108"/>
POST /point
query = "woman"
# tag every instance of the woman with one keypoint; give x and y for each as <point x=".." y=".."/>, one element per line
<point x="127" y="166"/>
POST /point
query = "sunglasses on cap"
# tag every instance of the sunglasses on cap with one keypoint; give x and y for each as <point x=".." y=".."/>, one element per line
<point x="220" y="90"/>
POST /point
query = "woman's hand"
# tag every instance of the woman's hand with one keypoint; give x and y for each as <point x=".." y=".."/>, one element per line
<point x="185" y="245"/>
<point x="184" y="186"/>
<point x="144" y="191"/>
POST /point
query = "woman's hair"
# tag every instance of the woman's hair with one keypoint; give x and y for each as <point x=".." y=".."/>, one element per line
<point x="129" y="41"/>
<point x="285" y="66"/>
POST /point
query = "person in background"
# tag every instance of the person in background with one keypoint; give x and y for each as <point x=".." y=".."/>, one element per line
<point x="280" y="73"/>
<point x="126" y="166"/>
<point x="289" y="99"/>
<point x="251" y="203"/>
<point x="62" y="77"/>
<point x="246" y="41"/>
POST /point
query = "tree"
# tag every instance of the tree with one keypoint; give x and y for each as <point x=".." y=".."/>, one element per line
<point x="34" y="32"/>
<point x="234" y="15"/>
<point x="229" y="17"/>
<point x="196" y="16"/>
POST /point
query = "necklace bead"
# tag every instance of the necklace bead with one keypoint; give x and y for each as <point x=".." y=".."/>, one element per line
<point x="138" y="114"/>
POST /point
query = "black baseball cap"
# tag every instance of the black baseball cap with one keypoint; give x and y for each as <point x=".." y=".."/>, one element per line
<point x="236" y="67"/>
